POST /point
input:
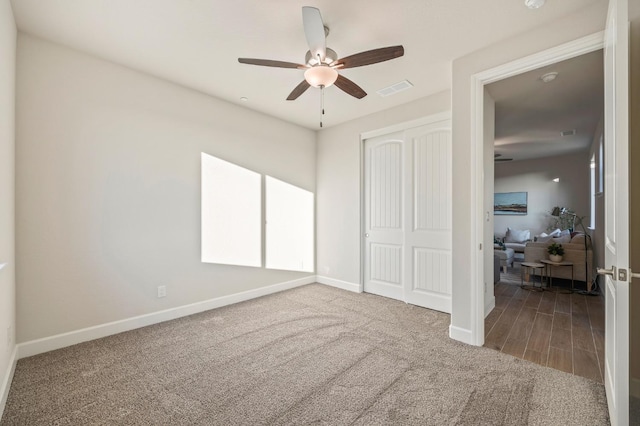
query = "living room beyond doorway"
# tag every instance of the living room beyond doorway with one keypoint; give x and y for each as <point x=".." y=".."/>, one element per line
<point x="557" y="329"/>
<point x="547" y="139"/>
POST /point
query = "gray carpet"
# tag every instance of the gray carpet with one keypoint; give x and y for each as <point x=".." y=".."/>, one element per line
<point x="312" y="355"/>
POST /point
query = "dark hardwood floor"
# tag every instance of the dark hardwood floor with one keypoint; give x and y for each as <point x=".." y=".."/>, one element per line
<point x="557" y="330"/>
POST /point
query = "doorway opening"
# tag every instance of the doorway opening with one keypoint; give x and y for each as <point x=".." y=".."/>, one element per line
<point x="548" y="126"/>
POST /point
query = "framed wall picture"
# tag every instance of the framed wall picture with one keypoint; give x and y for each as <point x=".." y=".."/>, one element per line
<point x="514" y="203"/>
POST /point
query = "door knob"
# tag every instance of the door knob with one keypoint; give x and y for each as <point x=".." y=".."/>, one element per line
<point x="611" y="272"/>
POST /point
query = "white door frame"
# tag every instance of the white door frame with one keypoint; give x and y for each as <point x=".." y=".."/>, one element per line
<point x="434" y="118"/>
<point x="559" y="53"/>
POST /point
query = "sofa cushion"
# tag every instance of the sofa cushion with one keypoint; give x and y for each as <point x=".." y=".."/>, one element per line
<point x="517" y="247"/>
<point x="578" y="239"/>
<point x="543" y="238"/>
<point x="517" y="235"/>
<point x="564" y="239"/>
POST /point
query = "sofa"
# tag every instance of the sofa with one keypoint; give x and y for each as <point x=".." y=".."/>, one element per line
<point x="574" y="251"/>
<point x="514" y="239"/>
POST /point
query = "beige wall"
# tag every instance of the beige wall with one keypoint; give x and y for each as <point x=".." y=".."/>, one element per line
<point x="536" y="178"/>
<point x="590" y="20"/>
<point x="338" y="191"/>
<point x="108" y="189"/>
<point x="7" y="146"/>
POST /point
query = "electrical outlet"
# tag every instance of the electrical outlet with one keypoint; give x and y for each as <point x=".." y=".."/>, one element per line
<point x="327" y="270"/>
<point x="9" y="335"/>
<point x="162" y="290"/>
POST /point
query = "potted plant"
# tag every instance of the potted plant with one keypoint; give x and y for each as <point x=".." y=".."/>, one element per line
<point x="555" y="251"/>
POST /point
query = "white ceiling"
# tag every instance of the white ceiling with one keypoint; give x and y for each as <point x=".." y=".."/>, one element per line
<point x="196" y="43"/>
<point x="531" y="114"/>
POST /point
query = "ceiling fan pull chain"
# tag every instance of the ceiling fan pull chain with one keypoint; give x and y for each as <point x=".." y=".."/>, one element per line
<point x="321" y="104"/>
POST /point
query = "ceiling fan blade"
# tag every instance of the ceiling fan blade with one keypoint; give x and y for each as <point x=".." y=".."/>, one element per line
<point x="350" y="87"/>
<point x="270" y="63"/>
<point x="314" y="32"/>
<point x="299" y="90"/>
<point x="370" y="57"/>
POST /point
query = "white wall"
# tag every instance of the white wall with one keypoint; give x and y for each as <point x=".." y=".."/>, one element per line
<point x="535" y="177"/>
<point x="108" y="189"/>
<point x="590" y="20"/>
<point x="7" y="234"/>
<point x="338" y="185"/>
<point x="489" y="127"/>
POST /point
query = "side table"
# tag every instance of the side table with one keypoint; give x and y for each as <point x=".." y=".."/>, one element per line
<point x="528" y="267"/>
<point x="548" y="267"/>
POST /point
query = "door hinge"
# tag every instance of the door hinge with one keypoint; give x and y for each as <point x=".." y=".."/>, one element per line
<point x="480" y="246"/>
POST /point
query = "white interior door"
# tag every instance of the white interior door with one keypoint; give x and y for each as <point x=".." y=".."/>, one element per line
<point x="408" y="215"/>
<point x="428" y="216"/>
<point x="616" y="57"/>
<point x="384" y="217"/>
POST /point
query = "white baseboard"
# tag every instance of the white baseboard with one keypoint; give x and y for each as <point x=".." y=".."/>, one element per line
<point x="489" y="306"/>
<point x="344" y="285"/>
<point x="35" y="347"/>
<point x="5" y="385"/>
<point x="461" y="334"/>
<point x="634" y="387"/>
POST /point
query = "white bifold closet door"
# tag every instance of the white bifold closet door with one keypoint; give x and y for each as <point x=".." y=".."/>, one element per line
<point x="407" y="239"/>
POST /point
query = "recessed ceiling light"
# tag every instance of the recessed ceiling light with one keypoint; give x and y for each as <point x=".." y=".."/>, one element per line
<point x="244" y="99"/>
<point x="556" y="180"/>
<point x="534" y="4"/>
<point x="548" y="77"/>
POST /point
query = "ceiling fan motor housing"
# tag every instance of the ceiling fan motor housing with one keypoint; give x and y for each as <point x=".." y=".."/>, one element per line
<point x="330" y="57"/>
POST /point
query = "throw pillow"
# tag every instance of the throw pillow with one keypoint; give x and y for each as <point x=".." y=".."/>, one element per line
<point x="555" y="232"/>
<point x="544" y="239"/>
<point x="517" y="235"/>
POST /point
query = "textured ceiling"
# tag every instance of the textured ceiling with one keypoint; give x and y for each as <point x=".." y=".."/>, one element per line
<point x="196" y="43"/>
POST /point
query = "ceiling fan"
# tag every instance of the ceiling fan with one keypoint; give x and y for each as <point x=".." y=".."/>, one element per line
<point x="322" y="64"/>
<point x="497" y="159"/>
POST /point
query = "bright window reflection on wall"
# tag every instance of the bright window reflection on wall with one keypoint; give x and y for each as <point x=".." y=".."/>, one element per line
<point x="289" y="232"/>
<point x="231" y="213"/>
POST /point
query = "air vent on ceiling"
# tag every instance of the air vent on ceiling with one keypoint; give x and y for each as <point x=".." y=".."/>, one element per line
<point x="395" y="88"/>
<point x="568" y="132"/>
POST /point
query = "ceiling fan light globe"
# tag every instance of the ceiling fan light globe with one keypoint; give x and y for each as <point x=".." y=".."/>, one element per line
<point x="321" y="75"/>
<point x="534" y="4"/>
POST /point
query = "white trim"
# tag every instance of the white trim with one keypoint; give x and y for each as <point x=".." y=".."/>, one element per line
<point x="344" y="285"/>
<point x="550" y="56"/>
<point x="553" y="55"/>
<point x="8" y="378"/>
<point x="461" y="334"/>
<point x="433" y="118"/>
<point x="490" y="306"/>
<point x="46" y="344"/>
